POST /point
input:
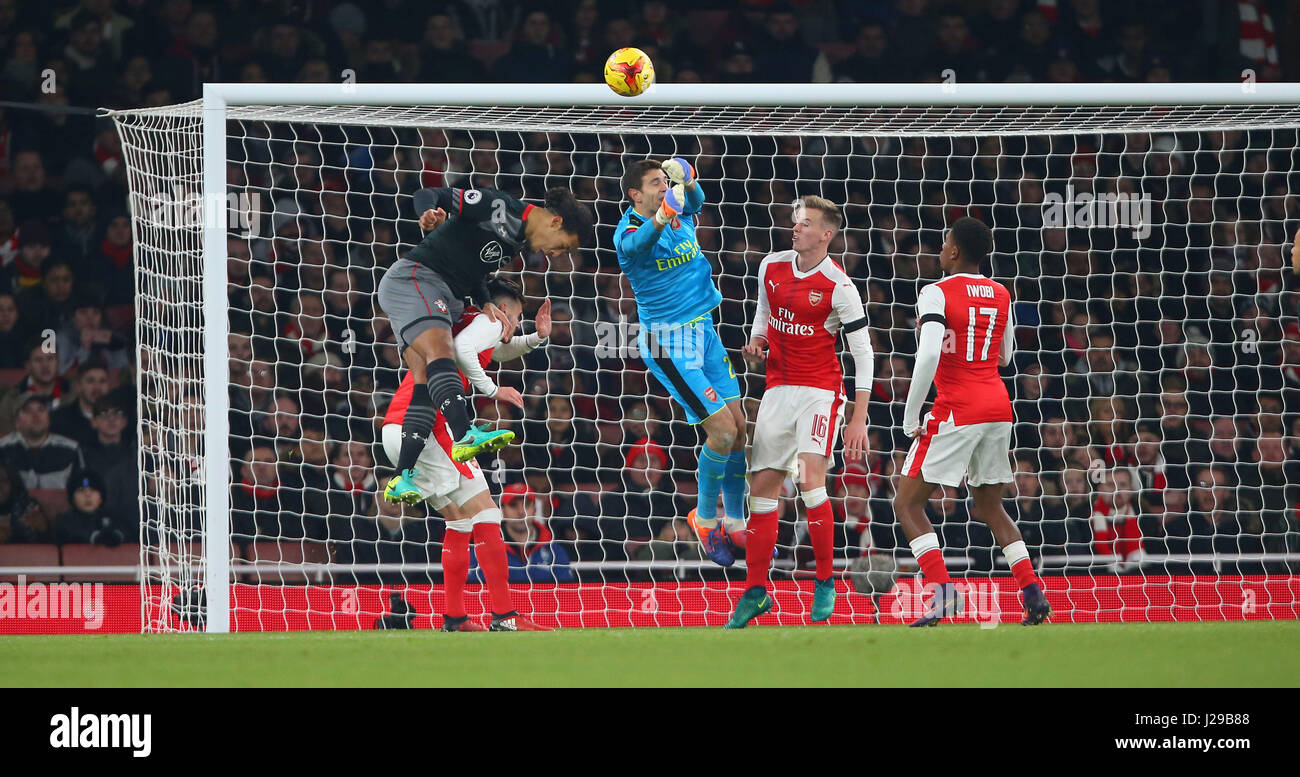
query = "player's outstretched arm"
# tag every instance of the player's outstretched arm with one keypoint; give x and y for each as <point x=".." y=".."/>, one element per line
<point x="481" y="333"/>
<point x="522" y="344"/>
<point x="637" y="241"/>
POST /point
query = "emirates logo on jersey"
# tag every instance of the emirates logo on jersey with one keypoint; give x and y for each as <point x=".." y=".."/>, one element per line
<point x="814" y="297"/>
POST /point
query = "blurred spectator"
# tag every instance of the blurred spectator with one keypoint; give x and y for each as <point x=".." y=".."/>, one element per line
<point x="1082" y="28"/>
<point x="88" y="341"/>
<point x="48" y="307"/>
<point x="737" y="64"/>
<point x="352" y="480"/>
<point x="872" y="60"/>
<point x="12" y="337"/>
<point x="79" y="237"/>
<point x="582" y="38"/>
<point x="41" y="459"/>
<point x="486" y="19"/>
<point x="34" y="245"/>
<point x="194" y="58"/>
<point x="111" y="454"/>
<point x="22" y="519"/>
<point x="85" y="52"/>
<point x="1042" y="521"/>
<point x="535" y="54"/>
<point x="784" y="57"/>
<point x="75" y="420"/>
<point x="559" y="448"/>
<point x="110" y="273"/>
<point x="261" y="509"/>
<point x="1115" y="521"/>
<point x="532" y="555"/>
<point x="912" y="33"/>
<point x="42" y="377"/>
<point x="444" y="57"/>
<point x="88" y="519"/>
<point x="956" y="49"/>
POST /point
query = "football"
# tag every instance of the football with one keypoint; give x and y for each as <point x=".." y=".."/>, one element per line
<point x="629" y="72"/>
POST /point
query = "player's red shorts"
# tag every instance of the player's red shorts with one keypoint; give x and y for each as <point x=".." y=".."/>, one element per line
<point x="944" y="453"/>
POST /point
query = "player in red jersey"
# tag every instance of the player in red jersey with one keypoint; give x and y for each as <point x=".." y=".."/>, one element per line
<point x="966" y="333"/>
<point x="804" y="299"/>
<point x="458" y="491"/>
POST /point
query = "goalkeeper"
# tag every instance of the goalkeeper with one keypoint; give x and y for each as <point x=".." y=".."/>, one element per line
<point x="471" y="232"/>
<point x="672" y="281"/>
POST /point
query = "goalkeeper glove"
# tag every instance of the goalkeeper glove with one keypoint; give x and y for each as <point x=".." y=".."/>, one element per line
<point x="671" y="207"/>
<point x="679" y="171"/>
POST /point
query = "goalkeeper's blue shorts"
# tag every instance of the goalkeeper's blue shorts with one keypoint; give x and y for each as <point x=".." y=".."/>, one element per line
<point x="690" y="361"/>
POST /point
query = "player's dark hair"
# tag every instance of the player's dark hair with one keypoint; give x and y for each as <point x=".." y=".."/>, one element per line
<point x="501" y="287"/>
<point x="575" y="215"/>
<point x="634" y="175"/>
<point x="973" y="238"/>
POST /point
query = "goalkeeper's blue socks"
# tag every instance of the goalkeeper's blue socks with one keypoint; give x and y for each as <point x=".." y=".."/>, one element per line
<point x="711" y="471"/>
<point x="733" y="488"/>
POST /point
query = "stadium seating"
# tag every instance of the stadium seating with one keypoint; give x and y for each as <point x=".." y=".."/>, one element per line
<point x="292" y="554"/>
<point x="86" y="555"/>
<point x="29" y="556"/>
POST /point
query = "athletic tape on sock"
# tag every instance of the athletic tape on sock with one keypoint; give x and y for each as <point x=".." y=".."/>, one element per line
<point x="924" y="544"/>
<point x="813" y="497"/>
<point x="758" y="504"/>
<point x="1015" y="552"/>
<point x="490" y="515"/>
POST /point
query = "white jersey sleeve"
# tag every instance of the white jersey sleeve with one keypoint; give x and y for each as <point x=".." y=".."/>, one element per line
<point x="1008" y="337"/>
<point x="847" y="306"/>
<point x="931" y="305"/>
<point x="759" y="327"/>
<point x="481" y="333"/>
<point x="518" y="346"/>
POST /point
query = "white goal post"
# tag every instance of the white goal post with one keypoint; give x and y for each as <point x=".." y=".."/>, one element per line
<point x="184" y="148"/>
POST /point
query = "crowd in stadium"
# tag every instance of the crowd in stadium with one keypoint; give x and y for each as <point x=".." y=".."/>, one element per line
<point x="1156" y="382"/>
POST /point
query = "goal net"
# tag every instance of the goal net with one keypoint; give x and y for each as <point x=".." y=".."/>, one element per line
<point x="1156" y="379"/>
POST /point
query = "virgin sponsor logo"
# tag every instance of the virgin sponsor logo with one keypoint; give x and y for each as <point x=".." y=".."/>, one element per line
<point x="491" y="253"/>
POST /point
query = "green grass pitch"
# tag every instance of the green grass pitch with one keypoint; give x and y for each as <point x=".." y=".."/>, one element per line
<point x="1160" y="654"/>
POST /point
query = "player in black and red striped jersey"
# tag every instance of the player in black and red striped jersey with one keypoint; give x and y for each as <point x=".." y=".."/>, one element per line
<point x="458" y="490"/>
<point x="805" y="299"/>
<point x="966" y="333"/>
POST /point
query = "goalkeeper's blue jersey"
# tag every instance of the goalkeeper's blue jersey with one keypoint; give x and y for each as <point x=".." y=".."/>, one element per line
<point x="670" y="276"/>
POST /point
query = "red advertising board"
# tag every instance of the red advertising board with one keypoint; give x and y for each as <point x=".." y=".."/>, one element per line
<point x="47" y="608"/>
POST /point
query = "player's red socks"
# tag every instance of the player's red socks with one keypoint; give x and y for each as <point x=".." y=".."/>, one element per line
<point x="758" y="550"/>
<point x="490" y="550"/>
<point x="821" y="530"/>
<point x="926" y="551"/>
<point x="455" y="568"/>
<point x="1021" y="566"/>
